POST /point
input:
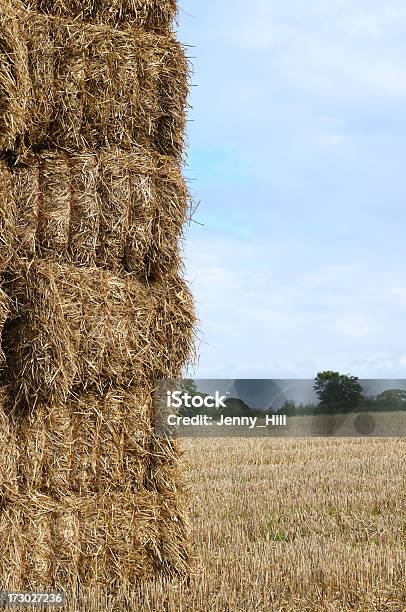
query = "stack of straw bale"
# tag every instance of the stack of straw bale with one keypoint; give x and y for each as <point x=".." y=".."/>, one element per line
<point x="93" y="306"/>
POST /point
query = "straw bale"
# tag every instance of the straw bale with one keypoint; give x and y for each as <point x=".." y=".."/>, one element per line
<point x="118" y="537"/>
<point x="113" y="223"/>
<point x="88" y="444"/>
<point x="127" y="203"/>
<point x="90" y="209"/>
<point x="9" y="451"/>
<point x="164" y="472"/>
<point x="54" y="204"/>
<point x="84" y="209"/>
<point x="37" y="543"/>
<point x="69" y="82"/>
<point x="91" y="83"/>
<point x="42" y="57"/>
<point x="173" y="328"/>
<point x="41" y="357"/>
<point x="113" y="455"/>
<point x="172" y="204"/>
<point x="175" y="550"/>
<point x="87" y="327"/>
<point x="92" y="86"/>
<point x="45" y="440"/>
<point x="76" y="326"/>
<point x="141" y="210"/>
<point x="105" y="539"/>
<point x="14" y="76"/>
<point x="65" y="548"/>
<point x="83" y="77"/>
<point x="26" y="196"/>
<point x="152" y="15"/>
<point x="12" y="547"/>
<point x="173" y="87"/>
<point x="8" y="216"/>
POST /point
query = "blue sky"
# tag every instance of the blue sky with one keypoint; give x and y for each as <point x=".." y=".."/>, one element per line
<point x="297" y="155"/>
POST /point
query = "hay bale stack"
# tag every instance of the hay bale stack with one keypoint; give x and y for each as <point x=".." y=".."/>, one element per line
<point x="93" y="307"/>
<point x="84" y="86"/>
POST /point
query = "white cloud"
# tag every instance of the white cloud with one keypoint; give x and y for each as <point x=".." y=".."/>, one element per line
<point x="300" y="115"/>
<point x="256" y="323"/>
<point x="354" y="325"/>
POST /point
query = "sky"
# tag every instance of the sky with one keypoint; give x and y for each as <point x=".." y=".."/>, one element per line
<point x="297" y="164"/>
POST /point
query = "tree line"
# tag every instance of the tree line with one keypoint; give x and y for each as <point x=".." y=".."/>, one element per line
<point x="337" y="394"/>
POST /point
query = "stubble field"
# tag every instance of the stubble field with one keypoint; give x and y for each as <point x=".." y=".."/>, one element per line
<point x="290" y="525"/>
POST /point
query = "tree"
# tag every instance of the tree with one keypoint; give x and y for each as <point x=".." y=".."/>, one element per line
<point x="237" y="407"/>
<point x="289" y="408"/>
<point x="189" y="385"/>
<point x="337" y="391"/>
<point x="391" y="398"/>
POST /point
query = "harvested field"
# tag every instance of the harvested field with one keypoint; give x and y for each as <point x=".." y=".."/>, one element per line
<point x="85" y="86"/>
<point x="151" y="15"/>
<point x="287" y="525"/>
<point x="113" y="209"/>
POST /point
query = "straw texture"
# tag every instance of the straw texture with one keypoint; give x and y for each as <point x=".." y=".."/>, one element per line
<point x="9" y="452"/>
<point x="79" y="86"/>
<point x="97" y="518"/>
<point x="102" y="539"/>
<point x="14" y="76"/>
<point x="151" y="15"/>
<point x="93" y="307"/>
<point x="75" y="326"/>
<point x="121" y="211"/>
<point x="88" y="444"/>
